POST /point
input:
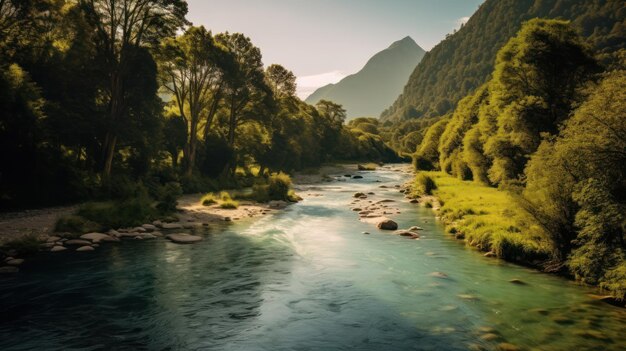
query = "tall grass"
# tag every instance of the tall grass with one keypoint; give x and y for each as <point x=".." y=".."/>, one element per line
<point x="489" y="219"/>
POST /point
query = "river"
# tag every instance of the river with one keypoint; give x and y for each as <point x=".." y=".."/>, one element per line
<point x="305" y="278"/>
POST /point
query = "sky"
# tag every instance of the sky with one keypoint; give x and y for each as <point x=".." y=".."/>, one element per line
<point x="322" y="41"/>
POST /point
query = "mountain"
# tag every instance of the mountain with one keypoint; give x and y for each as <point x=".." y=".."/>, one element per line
<point x="372" y="89"/>
<point x="464" y="60"/>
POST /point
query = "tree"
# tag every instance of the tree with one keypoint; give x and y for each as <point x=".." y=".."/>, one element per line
<point x="281" y="81"/>
<point x="191" y="69"/>
<point x="245" y="80"/>
<point x="122" y="27"/>
<point x="536" y="82"/>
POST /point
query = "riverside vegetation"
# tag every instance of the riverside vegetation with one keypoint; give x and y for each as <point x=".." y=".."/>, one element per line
<point x="531" y="165"/>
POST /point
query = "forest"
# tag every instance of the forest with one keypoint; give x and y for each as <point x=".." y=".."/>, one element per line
<point x="102" y="97"/>
<point x="548" y="131"/>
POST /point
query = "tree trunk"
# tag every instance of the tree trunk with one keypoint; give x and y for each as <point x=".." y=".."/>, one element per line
<point x="109" y="152"/>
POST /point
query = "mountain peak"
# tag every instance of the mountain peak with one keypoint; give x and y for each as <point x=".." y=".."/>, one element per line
<point x="405" y="42"/>
<point x="369" y="91"/>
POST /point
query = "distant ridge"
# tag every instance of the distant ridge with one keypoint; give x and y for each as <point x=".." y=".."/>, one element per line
<point x="376" y="86"/>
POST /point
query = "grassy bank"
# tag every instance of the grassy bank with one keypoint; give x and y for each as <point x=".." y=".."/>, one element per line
<point x="488" y="219"/>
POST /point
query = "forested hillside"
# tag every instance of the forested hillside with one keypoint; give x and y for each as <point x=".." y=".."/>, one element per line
<point x="462" y="62"/>
<point x="548" y="129"/>
<point x="82" y="116"/>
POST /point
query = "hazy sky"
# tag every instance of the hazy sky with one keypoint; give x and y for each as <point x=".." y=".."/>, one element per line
<point x="322" y="41"/>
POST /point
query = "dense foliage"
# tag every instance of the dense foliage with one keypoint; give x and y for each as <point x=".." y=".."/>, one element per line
<point x="463" y="62"/>
<point x="549" y="128"/>
<point x="100" y="93"/>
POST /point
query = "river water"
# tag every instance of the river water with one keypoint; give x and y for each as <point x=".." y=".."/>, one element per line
<point x="306" y="278"/>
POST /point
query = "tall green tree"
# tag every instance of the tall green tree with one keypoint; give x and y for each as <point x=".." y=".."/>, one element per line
<point x="191" y="70"/>
<point x="122" y="28"/>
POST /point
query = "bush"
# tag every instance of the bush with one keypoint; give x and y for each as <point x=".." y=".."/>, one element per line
<point x="167" y="196"/>
<point x="424" y="185"/>
<point x="278" y="186"/>
<point x="421" y="163"/>
<point x="208" y="199"/>
<point x="119" y="214"/>
<point x="25" y="245"/>
<point x="229" y="204"/>
<point x="75" y="224"/>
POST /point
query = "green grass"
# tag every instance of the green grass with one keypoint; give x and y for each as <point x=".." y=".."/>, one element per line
<point x="489" y="219"/>
<point x="75" y="225"/>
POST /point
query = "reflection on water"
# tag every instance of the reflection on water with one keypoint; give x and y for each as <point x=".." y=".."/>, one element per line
<point x="303" y="279"/>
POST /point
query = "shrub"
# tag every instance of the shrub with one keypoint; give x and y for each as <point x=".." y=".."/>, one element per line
<point x="119" y="214"/>
<point x="428" y="204"/>
<point x="25" y="245"/>
<point x="421" y="163"/>
<point x="279" y="186"/>
<point x="229" y="204"/>
<point x="167" y="196"/>
<point x="208" y="199"/>
<point x="75" y="224"/>
<point x="424" y="184"/>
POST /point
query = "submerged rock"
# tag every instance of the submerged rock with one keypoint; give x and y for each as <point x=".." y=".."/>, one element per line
<point x="387" y="224"/>
<point x="15" y="262"/>
<point x="9" y="269"/>
<point x="183" y="238"/>
<point x="517" y="281"/>
<point x="407" y="233"/>
<point x="440" y="275"/>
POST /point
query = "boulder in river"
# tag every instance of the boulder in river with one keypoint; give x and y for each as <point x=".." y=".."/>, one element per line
<point x="183" y="238"/>
<point x="15" y="262"/>
<point x="58" y="248"/>
<point x="387" y="224"/>
<point x="149" y="227"/>
<point x="98" y="237"/>
<point x="171" y="226"/>
<point x="357" y="177"/>
<point x="85" y="248"/>
<point x="407" y="233"/>
<point x="358" y="195"/>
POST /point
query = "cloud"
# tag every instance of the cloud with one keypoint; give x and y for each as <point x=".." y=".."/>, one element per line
<point x="462" y="20"/>
<point x="308" y="84"/>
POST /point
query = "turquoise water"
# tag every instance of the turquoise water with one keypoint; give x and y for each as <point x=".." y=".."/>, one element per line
<point x="302" y="279"/>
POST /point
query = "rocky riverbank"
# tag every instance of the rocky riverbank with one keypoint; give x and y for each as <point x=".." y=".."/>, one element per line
<point x="36" y="227"/>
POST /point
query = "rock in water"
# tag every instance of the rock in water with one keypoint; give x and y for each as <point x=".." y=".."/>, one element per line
<point x="15" y="262"/>
<point x="387" y="224"/>
<point x="58" y="248"/>
<point x="183" y="238"/>
<point x="357" y="177"/>
<point x="85" y="248"/>
<point x="171" y="226"/>
<point x="9" y="269"/>
<point x="78" y="242"/>
<point x="98" y="237"/>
